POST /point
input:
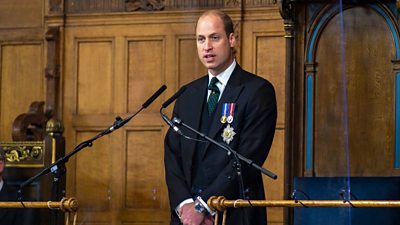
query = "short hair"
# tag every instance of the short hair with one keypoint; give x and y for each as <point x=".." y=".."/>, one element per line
<point x="226" y="20"/>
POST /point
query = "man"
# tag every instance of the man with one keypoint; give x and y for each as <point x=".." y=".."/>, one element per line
<point x="244" y="118"/>
<point x="8" y="216"/>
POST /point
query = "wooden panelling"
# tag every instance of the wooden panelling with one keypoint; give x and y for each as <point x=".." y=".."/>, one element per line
<point x="93" y="173"/>
<point x="77" y="6"/>
<point x="95" y="63"/>
<point x="145" y="186"/>
<point x="22" y="81"/>
<point x="94" y="217"/>
<point x="87" y="6"/>
<point x="274" y="189"/>
<point x="270" y="65"/>
<point x="360" y="92"/>
<point x="276" y="223"/>
<point x="189" y="64"/>
<point x="146" y="71"/>
<point x="262" y="45"/>
<point x="25" y="14"/>
<point x="145" y="216"/>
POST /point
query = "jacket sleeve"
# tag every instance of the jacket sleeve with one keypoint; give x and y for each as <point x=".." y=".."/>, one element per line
<point x="178" y="189"/>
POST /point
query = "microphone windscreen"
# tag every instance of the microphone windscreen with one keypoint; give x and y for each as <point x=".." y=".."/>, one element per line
<point x="175" y="96"/>
<point x="154" y="96"/>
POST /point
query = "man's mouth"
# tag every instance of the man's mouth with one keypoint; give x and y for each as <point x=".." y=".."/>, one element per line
<point x="209" y="57"/>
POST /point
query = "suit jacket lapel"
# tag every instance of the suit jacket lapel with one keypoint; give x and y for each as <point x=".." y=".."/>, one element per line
<point x="230" y="94"/>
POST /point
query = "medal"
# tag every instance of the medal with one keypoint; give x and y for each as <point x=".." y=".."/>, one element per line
<point x="228" y="133"/>
<point x="231" y="112"/>
<point x="224" y="113"/>
<point x="223" y="119"/>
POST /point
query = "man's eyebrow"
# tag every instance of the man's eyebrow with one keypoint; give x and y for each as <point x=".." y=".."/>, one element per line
<point x="210" y="35"/>
<point x="213" y="34"/>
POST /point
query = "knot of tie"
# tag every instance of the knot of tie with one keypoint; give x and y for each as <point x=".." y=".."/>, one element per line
<point x="213" y="85"/>
<point x="214" y="96"/>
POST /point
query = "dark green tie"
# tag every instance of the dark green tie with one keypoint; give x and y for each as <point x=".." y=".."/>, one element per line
<point x="213" y="98"/>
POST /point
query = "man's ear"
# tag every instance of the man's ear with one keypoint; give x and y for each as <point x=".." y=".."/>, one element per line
<point x="232" y="40"/>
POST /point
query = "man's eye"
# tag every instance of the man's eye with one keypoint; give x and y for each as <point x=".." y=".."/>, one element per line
<point x="215" y="38"/>
<point x="200" y="39"/>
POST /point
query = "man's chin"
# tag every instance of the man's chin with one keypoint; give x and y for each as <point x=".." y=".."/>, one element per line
<point x="209" y="65"/>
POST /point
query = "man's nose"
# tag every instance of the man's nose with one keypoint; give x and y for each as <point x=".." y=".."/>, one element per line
<point x="207" y="45"/>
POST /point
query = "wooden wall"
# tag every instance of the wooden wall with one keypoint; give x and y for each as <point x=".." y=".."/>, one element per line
<point x="344" y="94"/>
<point x="22" y="60"/>
<point x="111" y="62"/>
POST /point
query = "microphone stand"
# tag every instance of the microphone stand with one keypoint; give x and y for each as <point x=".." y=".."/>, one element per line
<point x="237" y="163"/>
<point x="58" y="167"/>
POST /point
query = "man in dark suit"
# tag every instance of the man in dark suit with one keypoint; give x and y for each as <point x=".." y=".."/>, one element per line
<point x="8" y="216"/>
<point x="238" y="109"/>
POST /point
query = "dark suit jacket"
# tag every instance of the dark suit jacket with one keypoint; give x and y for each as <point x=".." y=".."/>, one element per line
<point x="9" y="216"/>
<point x="254" y="123"/>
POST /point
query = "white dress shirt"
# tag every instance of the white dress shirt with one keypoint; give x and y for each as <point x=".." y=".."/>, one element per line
<point x="223" y="78"/>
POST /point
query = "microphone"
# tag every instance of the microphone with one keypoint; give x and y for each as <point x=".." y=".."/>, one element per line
<point x="167" y="103"/>
<point x="154" y="96"/>
<point x="173" y="97"/>
<point x="119" y="122"/>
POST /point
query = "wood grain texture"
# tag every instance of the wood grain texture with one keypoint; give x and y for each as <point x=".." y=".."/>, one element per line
<point x="21" y="66"/>
<point x="95" y="63"/>
<point x="362" y="93"/>
<point x="11" y="14"/>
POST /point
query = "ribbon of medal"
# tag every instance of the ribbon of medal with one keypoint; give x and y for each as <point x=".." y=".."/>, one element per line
<point x="231" y="112"/>
<point x="225" y="109"/>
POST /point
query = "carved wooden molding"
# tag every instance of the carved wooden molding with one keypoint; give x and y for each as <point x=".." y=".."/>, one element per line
<point x="286" y="8"/>
<point x="144" y="5"/>
<point x="23" y="153"/>
<point x="52" y="72"/>
<point x="30" y="126"/>
<point x="56" y="6"/>
<point x="113" y="6"/>
<point x="233" y="3"/>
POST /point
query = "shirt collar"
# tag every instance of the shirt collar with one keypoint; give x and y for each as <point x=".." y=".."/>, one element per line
<point x="1" y="184"/>
<point x="224" y="76"/>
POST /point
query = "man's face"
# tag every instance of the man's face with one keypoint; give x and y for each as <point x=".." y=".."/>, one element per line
<point x="213" y="46"/>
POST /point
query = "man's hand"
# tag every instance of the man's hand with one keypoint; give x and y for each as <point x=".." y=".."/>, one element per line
<point x="189" y="216"/>
<point x="208" y="220"/>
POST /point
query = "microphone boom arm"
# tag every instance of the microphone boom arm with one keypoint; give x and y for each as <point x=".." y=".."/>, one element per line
<point x="119" y="122"/>
<point x="228" y="149"/>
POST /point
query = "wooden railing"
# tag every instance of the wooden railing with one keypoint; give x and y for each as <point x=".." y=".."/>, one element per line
<point x="220" y="204"/>
<point x="67" y="205"/>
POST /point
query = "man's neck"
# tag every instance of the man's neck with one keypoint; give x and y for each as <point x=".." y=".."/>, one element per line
<point x="216" y="73"/>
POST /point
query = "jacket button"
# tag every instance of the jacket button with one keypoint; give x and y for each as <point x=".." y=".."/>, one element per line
<point x="229" y="178"/>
